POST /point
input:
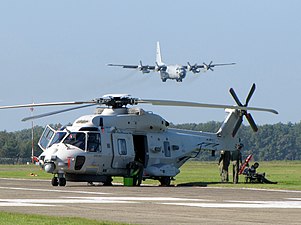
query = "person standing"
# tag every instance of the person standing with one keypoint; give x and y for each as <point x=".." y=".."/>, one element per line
<point x="236" y="159"/>
<point x="135" y="170"/>
<point x="224" y="162"/>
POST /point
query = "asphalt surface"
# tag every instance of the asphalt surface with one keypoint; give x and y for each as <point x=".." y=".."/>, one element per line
<point x="152" y="205"/>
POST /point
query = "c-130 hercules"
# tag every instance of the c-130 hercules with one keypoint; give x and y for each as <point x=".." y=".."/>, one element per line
<point x="173" y="72"/>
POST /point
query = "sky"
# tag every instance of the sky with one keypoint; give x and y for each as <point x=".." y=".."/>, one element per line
<point x="59" y="50"/>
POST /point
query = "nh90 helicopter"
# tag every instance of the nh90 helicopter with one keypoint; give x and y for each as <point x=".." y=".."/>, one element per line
<point x="96" y="147"/>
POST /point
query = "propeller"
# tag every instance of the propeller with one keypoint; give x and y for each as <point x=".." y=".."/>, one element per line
<point x="208" y="66"/>
<point x="160" y="67"/>
<point x="244" y="112"/>
<point x="193" y="68"/>
<point x="142" y="68"/>
<point x="122" y="100"/>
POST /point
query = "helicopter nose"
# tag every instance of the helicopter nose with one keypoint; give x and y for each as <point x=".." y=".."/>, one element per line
<point x="49" y="167"/>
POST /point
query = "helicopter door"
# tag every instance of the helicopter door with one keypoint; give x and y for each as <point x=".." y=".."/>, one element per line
<point x="46" y="137"/>
<point x="123" y="150"/>
<point x="141" y="150"/>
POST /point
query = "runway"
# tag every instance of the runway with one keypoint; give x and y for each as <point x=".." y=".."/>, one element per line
<point x="152" y="205"/>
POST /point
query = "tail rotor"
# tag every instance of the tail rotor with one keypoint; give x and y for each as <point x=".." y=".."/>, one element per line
<point x="244" y="112"/>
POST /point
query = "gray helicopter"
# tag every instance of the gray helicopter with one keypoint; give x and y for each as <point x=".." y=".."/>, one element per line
<point x="99" y="146"/>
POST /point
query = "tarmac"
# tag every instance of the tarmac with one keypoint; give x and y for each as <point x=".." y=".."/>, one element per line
<point x="152" y="204"/>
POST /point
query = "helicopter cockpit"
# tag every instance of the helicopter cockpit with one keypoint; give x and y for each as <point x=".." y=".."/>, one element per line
<point x="87" y="141"/>
<point x="84" y="139"/>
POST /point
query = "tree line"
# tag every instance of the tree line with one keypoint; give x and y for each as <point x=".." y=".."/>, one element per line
<point x="271" y="142"/>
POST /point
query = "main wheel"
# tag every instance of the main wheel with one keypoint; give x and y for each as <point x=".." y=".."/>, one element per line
<point x="55" y="181"/>
<point x="165" y="181"/>
<point x="108" y="182"/>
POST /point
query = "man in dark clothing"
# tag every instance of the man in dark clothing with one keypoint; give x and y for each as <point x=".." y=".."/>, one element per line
<point x="254" y="177"/>
<point x="135" y="170"/>
<point x="224" y="162"/>
<point x="236" y="159"/>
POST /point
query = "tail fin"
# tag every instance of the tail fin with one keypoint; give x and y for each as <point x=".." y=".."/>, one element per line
<point x="158" y="55"/>
<point x="231" y="124"/>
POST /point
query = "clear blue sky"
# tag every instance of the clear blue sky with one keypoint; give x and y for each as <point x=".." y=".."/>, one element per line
<point x="58" y="51"/>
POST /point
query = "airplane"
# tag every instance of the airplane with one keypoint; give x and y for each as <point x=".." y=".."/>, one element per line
<point x="100" y="146"/>
<point x="173" y="72"/>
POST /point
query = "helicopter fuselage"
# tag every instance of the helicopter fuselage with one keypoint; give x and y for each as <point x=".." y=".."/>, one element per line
<point x="97" y="147"/>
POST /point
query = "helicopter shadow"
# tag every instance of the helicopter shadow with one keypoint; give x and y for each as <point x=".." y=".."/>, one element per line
<point x="197" y="184"/>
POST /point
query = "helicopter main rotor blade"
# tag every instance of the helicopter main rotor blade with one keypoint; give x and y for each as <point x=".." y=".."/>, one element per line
<point x="46" y="104"/>
<point x="55" y="112"/>
<point x="205" y="105"/>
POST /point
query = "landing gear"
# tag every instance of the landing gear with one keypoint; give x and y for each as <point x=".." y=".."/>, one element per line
<point x="55" y="181"/>
<point x="108" y="182"/>
<point x="58" y="181"/>
<point x="62" y="181"/>
<point x="165" y="181"/>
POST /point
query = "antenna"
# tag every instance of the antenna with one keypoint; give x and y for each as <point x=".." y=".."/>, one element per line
<point x="32" y="136"/>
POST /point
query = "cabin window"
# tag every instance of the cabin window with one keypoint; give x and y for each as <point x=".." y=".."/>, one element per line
<point x="122" y="146"/>
<point x="93" y="142"/>
<point x="166" y="149"/>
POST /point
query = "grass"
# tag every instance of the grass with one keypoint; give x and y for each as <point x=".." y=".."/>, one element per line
<point x="286" y="173"/>
<point x="23" y="171"/>
<point x="7" y="218"/>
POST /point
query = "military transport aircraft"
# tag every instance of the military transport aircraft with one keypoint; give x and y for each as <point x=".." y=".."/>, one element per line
<point x="101" y="145"/>
<point x="173" y="72"/>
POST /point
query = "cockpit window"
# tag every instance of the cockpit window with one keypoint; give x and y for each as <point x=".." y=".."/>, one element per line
<point x="57" y="138"/>
<point x="77" y="139"/>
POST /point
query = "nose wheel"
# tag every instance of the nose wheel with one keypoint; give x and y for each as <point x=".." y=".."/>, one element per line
<point x="58" y="181"/>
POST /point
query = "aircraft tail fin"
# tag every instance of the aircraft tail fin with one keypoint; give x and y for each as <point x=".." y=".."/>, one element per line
<point x="231" y="124"/>
<point x="158" y="55"/>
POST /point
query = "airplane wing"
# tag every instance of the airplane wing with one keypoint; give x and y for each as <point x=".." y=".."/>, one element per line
<point x="195" y="67"/>
<point x="140" y="67"/>
<point x="124" y="66"/>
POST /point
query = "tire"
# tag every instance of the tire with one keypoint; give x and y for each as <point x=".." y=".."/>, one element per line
<point x="54" y="181"/>
<point x="165" y="181"/>
<point x="62" y="181"/>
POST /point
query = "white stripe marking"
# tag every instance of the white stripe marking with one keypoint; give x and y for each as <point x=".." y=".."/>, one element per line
<point x="55" y="190"/>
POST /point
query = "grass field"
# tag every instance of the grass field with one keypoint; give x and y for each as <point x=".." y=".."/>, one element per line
<point x="286" y="173"/>
<point x="22" y="219"/>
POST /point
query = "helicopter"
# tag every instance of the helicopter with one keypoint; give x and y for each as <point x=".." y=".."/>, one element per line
<point x="100" y="146"/>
